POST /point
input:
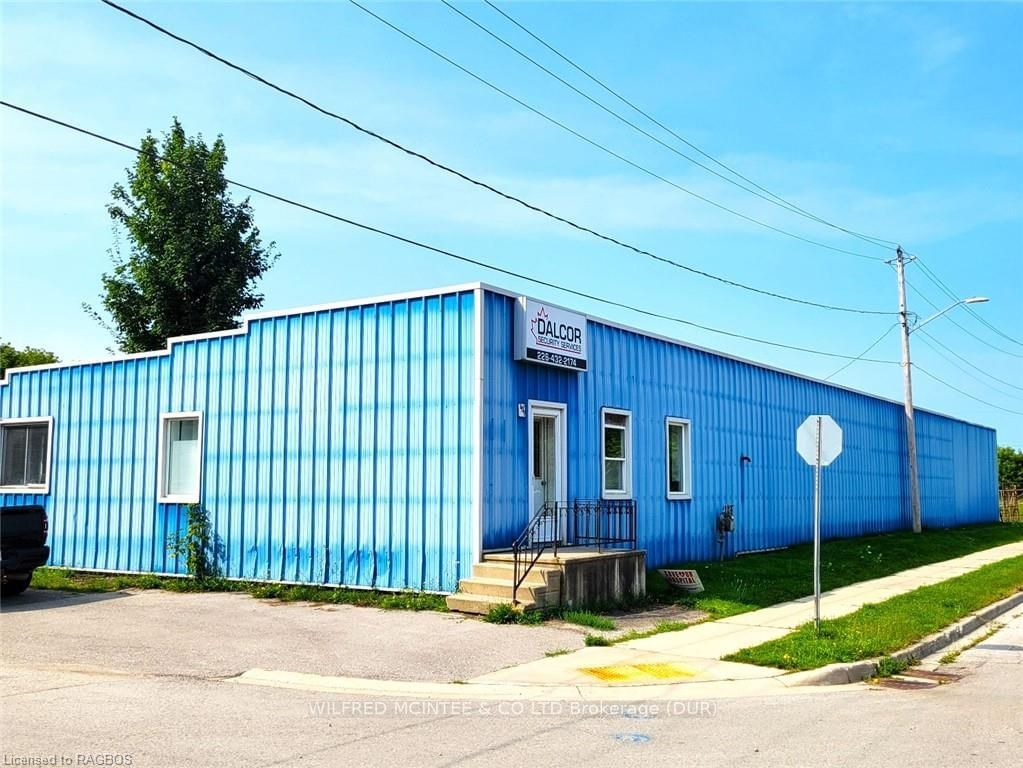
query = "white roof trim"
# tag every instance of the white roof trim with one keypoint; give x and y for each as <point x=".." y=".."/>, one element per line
<point x="726" y="355"/>
<point x="443" y="291"/>
<point x="243" y="329"/>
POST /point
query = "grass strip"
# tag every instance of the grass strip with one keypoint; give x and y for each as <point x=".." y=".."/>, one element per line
<point x="951" y="656"/>
<point x="882" y="628"/>
<point x="755" y="581"/>
<point x="79" y="581"/>
<point x="589" y="619"/>
<point x="658" y="629"/>
<point x="732" y="587"/>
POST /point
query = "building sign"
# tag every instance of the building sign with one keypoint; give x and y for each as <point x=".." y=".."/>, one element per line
<point x="550" y="335"/>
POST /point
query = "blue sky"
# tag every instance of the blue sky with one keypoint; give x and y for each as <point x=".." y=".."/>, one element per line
<point x="901" y="120"/>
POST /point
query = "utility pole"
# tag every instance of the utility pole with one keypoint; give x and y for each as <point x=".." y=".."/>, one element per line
<point x="914" y="482"/>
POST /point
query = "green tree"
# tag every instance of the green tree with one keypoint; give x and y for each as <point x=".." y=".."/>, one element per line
<point x="19" y="358"/>
<point x="1010" y="467"/>
<point x="195" y="255"/>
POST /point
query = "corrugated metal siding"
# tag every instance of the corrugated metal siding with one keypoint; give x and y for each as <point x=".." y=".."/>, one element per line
<point x="958" y="474"/>
<point x="736" y="409"/>
<point x="338" y="447"/>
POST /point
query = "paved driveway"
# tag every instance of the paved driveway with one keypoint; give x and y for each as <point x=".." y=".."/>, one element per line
<point x="223" y="634"/>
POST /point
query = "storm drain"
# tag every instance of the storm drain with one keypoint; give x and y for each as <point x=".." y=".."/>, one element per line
<point x="915" y="679"/>
<point x="938" y="677"/>
<point x="904" y="684"/>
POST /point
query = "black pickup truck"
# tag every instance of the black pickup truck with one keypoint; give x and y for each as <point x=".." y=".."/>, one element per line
<point x="22" y="546"/>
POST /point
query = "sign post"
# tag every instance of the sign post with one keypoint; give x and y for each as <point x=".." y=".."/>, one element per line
<point x="819" y="442"/>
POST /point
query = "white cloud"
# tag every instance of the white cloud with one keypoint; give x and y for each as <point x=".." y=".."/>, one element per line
<point x="937" y="45"/>
<point x="47" y="170"/>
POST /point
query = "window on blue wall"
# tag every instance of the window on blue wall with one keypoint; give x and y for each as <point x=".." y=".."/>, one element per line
<point x="679" y="458"/>
<point x="25" y="454"/>
<point x="180" y="457"/>
<point x="616" y="453"/>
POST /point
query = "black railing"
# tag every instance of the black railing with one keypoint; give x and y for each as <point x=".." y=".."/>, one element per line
<point x="540" y="534"/>
<point x="599" y="523"/>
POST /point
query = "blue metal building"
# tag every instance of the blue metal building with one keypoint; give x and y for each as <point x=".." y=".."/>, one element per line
<point x="390" y="442"/>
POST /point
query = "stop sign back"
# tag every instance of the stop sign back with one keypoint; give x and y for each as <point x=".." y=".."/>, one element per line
<point x="831" y="440"/>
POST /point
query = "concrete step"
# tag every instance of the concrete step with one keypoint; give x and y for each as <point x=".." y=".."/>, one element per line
<point x="565" y="554"/>
<point x="504" y="570"/>
<point x="479" y="604"/>
<point x="528" y="593"/>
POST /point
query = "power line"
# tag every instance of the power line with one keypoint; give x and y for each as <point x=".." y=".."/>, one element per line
<point x="930" y="275"/>
<point x="961" y="392"/>
<point x="862" y="354"/>
<point x="959" y="325"/>
<point x="944" y="288"/>
<point x="484" y="185"/>
<point x="453" y="255"/>
<point x="974" y="366"/>
<point x="763" y="193"/>
<point x="780" y="201"/>
<point x="500" y="270"/>
<point x="966" y="370"/>
<point x="598" y="145"/>
<point x="772" y="199"/>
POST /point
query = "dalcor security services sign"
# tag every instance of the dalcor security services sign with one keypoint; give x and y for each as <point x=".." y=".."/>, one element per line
<point x="550" y="335"/>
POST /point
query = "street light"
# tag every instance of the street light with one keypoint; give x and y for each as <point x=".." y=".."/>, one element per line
<point x="914" y="482"/>
<point x="971" y="300"/>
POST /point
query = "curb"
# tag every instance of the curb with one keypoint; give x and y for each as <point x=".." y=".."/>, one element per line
<point x="843" y="673"/>
<point x="349" y="686"/>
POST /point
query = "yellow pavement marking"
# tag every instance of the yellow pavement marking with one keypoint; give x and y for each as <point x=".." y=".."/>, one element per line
<point x="620" y="673"/>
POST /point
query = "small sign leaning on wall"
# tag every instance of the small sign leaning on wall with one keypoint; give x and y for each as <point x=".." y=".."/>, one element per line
<point x="549" y="335"/>
<point x="688" y="580"/>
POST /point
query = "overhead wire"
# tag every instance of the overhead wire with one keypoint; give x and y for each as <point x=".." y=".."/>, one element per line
<point x="482" y="184"/>
<point x="962" y="392"/>
<point x="756" y="189"/>
<point x="930" y="275"/>
<point x="959" y="325"/>
<point x="865" y="352"/>
<point x="568" y="222"/>
<point x="453" y="255"/>
<point x="779" y="200"/>
<point x="934" y="348"/>
<point x="972" y="365"/>
<point x="601" y="147"/>
<point x="781" y="203"/>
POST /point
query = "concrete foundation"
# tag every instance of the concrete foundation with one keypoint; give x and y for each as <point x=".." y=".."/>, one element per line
<point x="605" y="577"/>
<point x="576" y="576"/>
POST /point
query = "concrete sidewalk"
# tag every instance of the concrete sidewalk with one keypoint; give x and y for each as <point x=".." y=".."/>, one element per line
<point x="693" y="655"/>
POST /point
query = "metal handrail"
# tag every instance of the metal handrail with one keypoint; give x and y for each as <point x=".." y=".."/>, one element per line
<point x="530" y="546"/>
<point x="600" y="523"/>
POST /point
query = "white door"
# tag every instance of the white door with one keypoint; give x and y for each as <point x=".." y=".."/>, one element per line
<point x="547" y="462"/>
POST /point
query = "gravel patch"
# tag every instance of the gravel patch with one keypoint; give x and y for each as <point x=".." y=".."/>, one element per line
<point x="636" y="621"/>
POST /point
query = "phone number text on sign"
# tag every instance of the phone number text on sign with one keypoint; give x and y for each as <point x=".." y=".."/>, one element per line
<point x="552" y="358"/>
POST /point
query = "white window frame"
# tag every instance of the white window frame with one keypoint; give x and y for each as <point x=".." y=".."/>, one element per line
<point x="626" y="493"/>
<point x="43" y="488"/>
<point x="687" y="458"/>
<point x="161" y="469"/>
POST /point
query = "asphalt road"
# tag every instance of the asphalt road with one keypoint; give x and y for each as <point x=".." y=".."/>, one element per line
<point x="92" y="712"/>
<point x="222" y="634"/>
